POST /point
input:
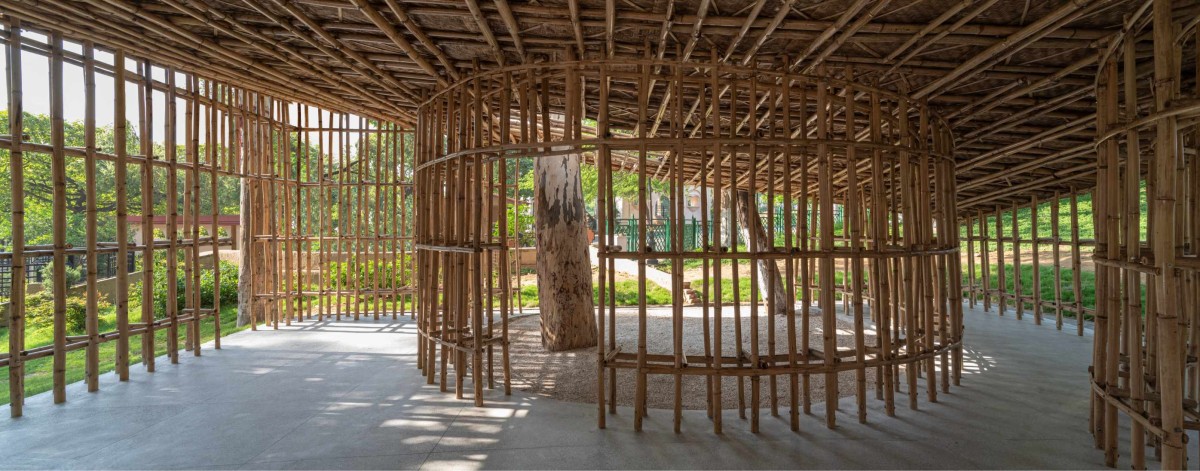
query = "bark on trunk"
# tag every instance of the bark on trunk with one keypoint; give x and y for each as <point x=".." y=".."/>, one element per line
<point x="768" y="272"/>
<point x="564" y="268"/>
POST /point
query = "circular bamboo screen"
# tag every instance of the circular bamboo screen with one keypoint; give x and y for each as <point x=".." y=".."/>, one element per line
<point x="1147" y="320"/>
<point x="779" y="204"/>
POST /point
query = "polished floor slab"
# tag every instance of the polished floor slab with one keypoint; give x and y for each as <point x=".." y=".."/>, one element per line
<point x="347" y="395"/>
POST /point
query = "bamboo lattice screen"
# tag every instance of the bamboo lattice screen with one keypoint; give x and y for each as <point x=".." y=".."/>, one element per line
<point x="817" y="148"/>
<point x="324" y="199"/>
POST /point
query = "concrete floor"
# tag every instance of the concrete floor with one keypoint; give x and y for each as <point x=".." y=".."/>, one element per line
<point x="347" y="395"/>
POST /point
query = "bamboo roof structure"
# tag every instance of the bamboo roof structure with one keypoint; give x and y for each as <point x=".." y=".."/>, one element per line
<point x="1015" y="79"/>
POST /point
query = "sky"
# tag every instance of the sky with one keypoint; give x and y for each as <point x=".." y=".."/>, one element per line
<point x="35" y="73"/>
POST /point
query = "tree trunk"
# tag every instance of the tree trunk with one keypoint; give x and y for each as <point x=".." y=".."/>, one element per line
<point x="768" y="270"/>
<point x="564" y="268"/>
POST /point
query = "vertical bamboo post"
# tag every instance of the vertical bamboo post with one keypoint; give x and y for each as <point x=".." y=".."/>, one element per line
<point x="718" y="266"/>
<point x="172" y="223"/>
<point x="92" y="314"/>
<point x="147" y="150"/>
<point x="16" y="303"/>
<point x="191" y="226"/>
<point x="1018" y="293"/>
<point x="639" y="402"/>
<point x="58" y="169"/>
<point x="1076" y="264"/>
<point x="212" y="144"/>
<point x="1056" y="240"/>
<point x="1037" y="263"/>
<point x="121" y="176"/>
<point x="825" y="275"/>
<point x="972" y="288"/>
<point x="1164" y="237"/>
<point x="851" y="220"/>
<point x="750" y="211"/>
<point x="1002" y="285"/>
<point x="985" y="266"/>
<point x="604" y="186"/>
<point x="1132" y="243"/>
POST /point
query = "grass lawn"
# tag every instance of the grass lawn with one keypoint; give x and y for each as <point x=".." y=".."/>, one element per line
<point x="39" y="373"/>
<point x="1087" y="283"/>
<point x="627" y="294"/>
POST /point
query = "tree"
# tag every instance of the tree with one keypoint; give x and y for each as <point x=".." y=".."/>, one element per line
<point x="768" y="270"/>
<point x="564" y="268"/>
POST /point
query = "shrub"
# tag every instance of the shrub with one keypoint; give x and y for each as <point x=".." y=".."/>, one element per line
<point x="74" y="274"/>
<point x="229" y="284"/>
<point x="39" y="311"/>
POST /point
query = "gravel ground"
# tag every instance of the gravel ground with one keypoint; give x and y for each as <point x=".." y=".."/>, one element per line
<point x="571" y="376"/>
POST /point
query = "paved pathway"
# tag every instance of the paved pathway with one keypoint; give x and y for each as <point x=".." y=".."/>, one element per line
<point x="347" y="395"/>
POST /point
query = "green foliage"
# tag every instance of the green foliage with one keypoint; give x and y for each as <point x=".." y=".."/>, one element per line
<point x="229" y="282"/>
<point x="365" y="272"/>
<point x="74" y="275"/>
<point x="39" y="185"/>
<point x="39" y="311"/>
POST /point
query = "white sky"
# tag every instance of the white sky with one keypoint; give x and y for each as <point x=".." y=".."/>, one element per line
<point x="35" y="73"/>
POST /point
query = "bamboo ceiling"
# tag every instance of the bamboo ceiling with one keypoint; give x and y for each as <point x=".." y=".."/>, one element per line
<point x="1014" y="78"/>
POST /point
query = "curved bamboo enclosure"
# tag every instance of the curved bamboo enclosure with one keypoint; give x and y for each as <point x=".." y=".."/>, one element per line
<point x="765" y="204"/>
<point x="820" y="149"/>
<point x="1144" y="362"/>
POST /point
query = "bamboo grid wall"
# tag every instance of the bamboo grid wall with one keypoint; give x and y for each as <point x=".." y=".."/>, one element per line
<point x="1144" y="360"/>
<point x="318" y="188"/>
<point x="806" y="144"/>
<point x="994" y="240"/>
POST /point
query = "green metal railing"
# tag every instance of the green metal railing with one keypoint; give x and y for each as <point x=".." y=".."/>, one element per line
<point x="659" y="236"/>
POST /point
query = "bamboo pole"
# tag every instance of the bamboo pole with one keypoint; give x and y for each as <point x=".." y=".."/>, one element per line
<point x="1076" y="265"/>
<point x="16" y="305"/>
<point x="1056" y="240"/>
<point x="1018" y="293"/>
<point x="1035" y="237"/>
<point x="172" y="223"/>
<point x="148" y="240"/>
<point x="213" y="142"/>
<point x="59" y="177"/>
<point x="92" y="314"/>
<point x="1164" y="238"/>
<point x="121" y="176"/>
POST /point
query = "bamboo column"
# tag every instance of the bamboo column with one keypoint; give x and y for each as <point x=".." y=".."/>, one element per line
<point x="58" y="168"/>
<point x="121" y="175"/>
<point x="16" y="305"/>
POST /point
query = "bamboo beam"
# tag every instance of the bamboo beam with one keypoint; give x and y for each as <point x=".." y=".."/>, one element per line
<point x="1003" y="48"/>
<point x="387" y="28"/>
<point x="510" y="22"/>
<point x="482" y="23"/>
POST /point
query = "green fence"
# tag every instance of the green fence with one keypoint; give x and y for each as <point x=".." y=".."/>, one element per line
<point x="659" y="237"/>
